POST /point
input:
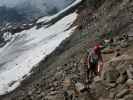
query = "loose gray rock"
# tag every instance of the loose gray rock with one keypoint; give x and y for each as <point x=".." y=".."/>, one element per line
<point x="121" y="79"/>
<point x="122" y="93"/>
<point x="129" y="82"/>
<point x="128" y="97"/>
<point x="112" y="95"/>
<point x="130" y="73"/>
<point x="55" y="97"/>
<point x="80" y="86"/>
<point x="124" y="44"/>
<point x="111" y="76"/>
<point x="97" y="79"/>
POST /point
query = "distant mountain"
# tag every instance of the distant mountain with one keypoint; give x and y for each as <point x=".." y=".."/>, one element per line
<point x="28" y="10"/>
<point x="11" y="15"/>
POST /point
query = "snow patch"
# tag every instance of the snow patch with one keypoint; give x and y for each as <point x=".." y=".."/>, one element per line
<point x="28" y="48"/>
<point x="49" y="18"/>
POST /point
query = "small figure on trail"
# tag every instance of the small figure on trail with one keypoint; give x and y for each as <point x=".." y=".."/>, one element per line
<point x="94" y="61"/>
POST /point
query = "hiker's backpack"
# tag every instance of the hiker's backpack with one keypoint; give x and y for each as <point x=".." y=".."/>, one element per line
<point x="93" y="58"/>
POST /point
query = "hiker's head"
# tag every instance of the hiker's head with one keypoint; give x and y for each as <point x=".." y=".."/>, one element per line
<point x="97" y="48"/>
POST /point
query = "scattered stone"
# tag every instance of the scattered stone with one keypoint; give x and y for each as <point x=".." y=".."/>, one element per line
<point x="38" y="91"/>
<point x="104" y="98"/>
<point x="58" y="75"/>
<point x="30" y="93"/>
<point x="122" y="93"/>
<point x="128" y="97"/>
<point x="117" y="54"/>
<point x="53" y="92"/>
<point x="130" y="73"/>
<point x="41" y="95"/>
<point x="67" y="83"/>
<point x="107" y="51"/>
<point x="112" y="85"/>
<point x="112" y="95"/>
<point x="123" y="44"/>
<point x="75" y="64"/>
<point x="80" y="86"/>
<point x="107" y="41"/>
<point x="52" y="89"/>
<point x="97" y="79"/>
<point x="111" y="76"/>
<point x="129" y="82"/>
<point x="55" y="84"/>
<point x="56" y="97"/>
<point x="121" y="79"/>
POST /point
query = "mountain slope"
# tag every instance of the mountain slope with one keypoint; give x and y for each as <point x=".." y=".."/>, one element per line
<point x="95" y="19"/>
<point x="27" y="48"/>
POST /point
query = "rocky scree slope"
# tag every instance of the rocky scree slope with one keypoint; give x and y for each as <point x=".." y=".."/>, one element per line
<point x="65" y="68"/>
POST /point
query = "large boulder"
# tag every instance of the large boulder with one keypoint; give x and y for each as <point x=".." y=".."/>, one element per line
<point x="80" y="86"/>
<point x="122" y="79"/>
<point x="124" y="44"/>
<point x="129" y="82"/>
<point x="108" y="51"/>
<point x="122" y="93"/>
<point x="55" y="97"/>
<point x="111" y="76"/>
<point x="128" y="97"/>
<point x="130" y="72"/>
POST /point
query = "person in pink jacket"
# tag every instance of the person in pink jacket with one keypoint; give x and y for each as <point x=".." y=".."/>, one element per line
<point x="95" y="60"/>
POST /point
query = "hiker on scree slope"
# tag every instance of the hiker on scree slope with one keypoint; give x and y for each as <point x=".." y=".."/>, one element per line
<point x="95" y="60"/>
